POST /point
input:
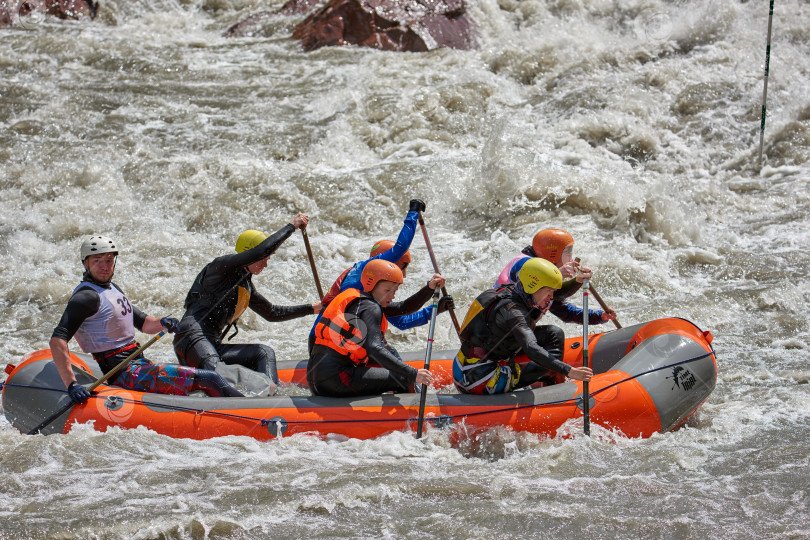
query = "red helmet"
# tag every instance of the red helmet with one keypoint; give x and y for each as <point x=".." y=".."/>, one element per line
<point x="550" y="243"/>
<point x="379" y="270"/>
<point x="384" y="245"/>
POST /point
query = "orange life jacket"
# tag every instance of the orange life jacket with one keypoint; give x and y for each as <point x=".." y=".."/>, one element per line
<point x="337" y="333"/>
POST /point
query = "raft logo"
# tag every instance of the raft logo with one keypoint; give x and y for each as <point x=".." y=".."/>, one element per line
<point x="682" y="378"/>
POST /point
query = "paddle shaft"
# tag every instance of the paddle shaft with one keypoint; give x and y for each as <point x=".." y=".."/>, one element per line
<point x="312" y="263"/>
<point x="586" y="395"/>
<point x="765" y="86"/>
<point x="428" y="352"/>
<point x="42" y="425"/>
<point x="436" y="270"/>
<point x="601" y="302"/>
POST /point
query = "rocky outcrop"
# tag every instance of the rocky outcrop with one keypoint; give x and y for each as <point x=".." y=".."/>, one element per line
<point x="392" y="25"/>
<point x="13" y="11"/>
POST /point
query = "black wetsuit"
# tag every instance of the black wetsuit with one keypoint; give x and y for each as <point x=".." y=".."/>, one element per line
<point x="330" y="373"/>
<point x="510" y="328"/>
<point x="543" y="345"/>
<point x="199" y="341"/>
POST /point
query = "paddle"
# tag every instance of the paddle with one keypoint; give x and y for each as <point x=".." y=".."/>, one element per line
<point x="586" y="396"/>
<point x="428" y="352"/>
<point x="436" y="270"/>
<point x="312" y="263"/>
<point x="601" y="302"/>
<point x="99" y="381"/>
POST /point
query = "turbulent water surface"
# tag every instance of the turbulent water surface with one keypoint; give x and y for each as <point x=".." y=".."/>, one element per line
<point x="634" y="124"/>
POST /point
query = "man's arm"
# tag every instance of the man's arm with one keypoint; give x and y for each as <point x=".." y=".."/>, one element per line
<point x="61" y="358"/>
<point x="83" y="304"/>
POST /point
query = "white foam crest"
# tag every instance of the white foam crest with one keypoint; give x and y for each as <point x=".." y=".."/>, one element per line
<point x="634" y="125"/>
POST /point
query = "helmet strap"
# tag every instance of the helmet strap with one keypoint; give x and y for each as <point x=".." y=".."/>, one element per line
<point x="527" y="298"/>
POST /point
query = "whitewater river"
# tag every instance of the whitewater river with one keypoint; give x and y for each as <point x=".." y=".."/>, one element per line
<point x="633" y="124"/>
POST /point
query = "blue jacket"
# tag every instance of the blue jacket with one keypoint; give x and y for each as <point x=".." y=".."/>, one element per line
<point x="403" y="243"/>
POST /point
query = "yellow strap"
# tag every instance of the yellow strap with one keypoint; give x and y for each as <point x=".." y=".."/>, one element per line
<point x="242" y="302"/>
<point x="474" y="310"/>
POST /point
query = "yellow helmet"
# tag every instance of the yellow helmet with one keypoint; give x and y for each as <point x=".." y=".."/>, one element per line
<point x="537" y="273"/>
<point x="249" y="240"/>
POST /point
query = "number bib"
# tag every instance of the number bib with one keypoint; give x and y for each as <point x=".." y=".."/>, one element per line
<point x="111" y="326"/>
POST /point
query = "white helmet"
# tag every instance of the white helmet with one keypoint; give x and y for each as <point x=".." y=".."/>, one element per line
<point x="98" y="244"/>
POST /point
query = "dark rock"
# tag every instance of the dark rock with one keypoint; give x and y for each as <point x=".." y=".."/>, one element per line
<point x="12" y="11"/>
<point x="393" y="25"/>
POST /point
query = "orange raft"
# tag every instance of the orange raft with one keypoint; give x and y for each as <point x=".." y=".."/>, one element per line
<point x="649" y="378"/>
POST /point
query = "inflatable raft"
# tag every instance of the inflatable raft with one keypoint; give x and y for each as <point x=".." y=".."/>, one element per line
<point x="648" y="378"/>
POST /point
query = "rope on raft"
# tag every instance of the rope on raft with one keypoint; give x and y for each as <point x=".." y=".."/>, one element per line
<point x="442" y="419"/>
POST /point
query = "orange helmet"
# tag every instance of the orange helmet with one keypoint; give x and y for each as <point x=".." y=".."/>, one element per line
<point x="379" y="270"/>
<point x="550" y="243"/>
<point x="384" y="245"/>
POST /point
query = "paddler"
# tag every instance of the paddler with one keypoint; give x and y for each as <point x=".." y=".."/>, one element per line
<point x="557" y="247"/>
<point x="351" y="332"/>
<point x="500" y="325"/>
<point x="103" y="321"/>
<point x="405" y="314"/>
<point x="225" y="284"/>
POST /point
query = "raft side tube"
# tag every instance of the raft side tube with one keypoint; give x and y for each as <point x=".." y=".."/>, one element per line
<point x="295" y="371"/>
<point x="361" y="417"/>
<point x="677" y="389"/>
<point x="610" y="347"/>
<point x="34" y="391"/>
<point x="162" y="402"/>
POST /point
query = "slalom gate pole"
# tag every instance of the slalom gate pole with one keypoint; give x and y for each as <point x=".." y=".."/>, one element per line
<point x="765" y="84"/>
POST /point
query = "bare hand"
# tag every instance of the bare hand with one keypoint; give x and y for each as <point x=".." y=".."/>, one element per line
<point x="424" y="377"/>
<point x="580" y="374"/>
<point x="300" y="221"/>
<point x="569" y="269"/>
<point x="316" y="307"/>
<point x="583" y="273"/>
<point x="609" y="315"/>
<point x="436" y="281"/>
